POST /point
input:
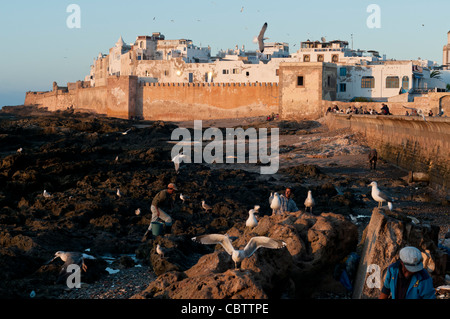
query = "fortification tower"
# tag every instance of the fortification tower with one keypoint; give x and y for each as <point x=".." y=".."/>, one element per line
<point x="446" y="55"/>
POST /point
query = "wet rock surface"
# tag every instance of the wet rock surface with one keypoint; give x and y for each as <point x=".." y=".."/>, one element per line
<point x="81" y="160"/>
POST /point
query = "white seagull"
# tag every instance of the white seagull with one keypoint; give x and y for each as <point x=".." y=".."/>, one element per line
<point x="137" y="212"/>
<point x="118" y="193"/>
<point x="126" y="132"/>
<point x="239" y="255"/>
<point x="183" y="197"/>
<point x="160" y="251"/>
<point x="260" y="38"/>
<point x="251" y="220"/>
<point x="179" y="159"/>
<point x="418" y="111"/>
<point x="20" y="150"/>
<point x="309" y="202"/>
<point x="380" y="196"/>
<point x="275" y="203"/>
<point x="205" y="206"/>
<point x="70" y="258"/>
<point x="46" y="194"/>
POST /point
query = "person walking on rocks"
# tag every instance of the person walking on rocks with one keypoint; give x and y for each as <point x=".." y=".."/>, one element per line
<point x="162" y="202"/>
<point x="373" y="156"/>
<point x="407" y="279"/>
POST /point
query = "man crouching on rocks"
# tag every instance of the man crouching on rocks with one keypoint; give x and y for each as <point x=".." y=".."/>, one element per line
<point x="163" y="199"/>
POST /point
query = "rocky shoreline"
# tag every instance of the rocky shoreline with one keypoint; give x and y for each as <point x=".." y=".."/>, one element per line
<point x="82" y="159"/>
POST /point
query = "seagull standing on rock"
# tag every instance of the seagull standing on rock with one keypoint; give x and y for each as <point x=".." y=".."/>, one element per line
<point x="205" y="206"/>
<point x="309" y="202"/>
<point x="380" y="196"/>
<point x="251" y="220"/>
<point x="160" y="250"/>
<point x="239" y="255"/>
<point x="275" y="203"/>
<point x="183" y="197"/>
<point x="46" y="194"/>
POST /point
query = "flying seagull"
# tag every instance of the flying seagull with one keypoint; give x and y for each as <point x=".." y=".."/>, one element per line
<point x="418" y="111"/>
<point x="260" y="38"/>
<point x="380" y="196"/>
<point x="239" y="255"/>
<point x="126" y="132"/>
<point x="70" y="258"/>
<point x="179" y="159"/>
<point x="309" y="202"/>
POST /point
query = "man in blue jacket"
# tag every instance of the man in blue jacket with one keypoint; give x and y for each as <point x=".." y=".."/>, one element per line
<point x="407" y="279"/>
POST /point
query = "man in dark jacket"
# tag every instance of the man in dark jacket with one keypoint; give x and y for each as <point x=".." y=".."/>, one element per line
<point x="162" y="202"/>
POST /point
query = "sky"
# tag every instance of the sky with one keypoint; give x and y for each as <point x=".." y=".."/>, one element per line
<point x="38" y="46"/>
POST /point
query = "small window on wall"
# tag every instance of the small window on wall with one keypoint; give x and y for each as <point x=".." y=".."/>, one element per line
<point x="367" y="82"/>
<point x="335" y="58"/>
<point x="277" y="72"/>
<point x="320" y="58"/>
<point x="225" y="71"/>
<point x="343" y="87"/>
<point x="300" y="81"/>
<point x="343" y="71"/>
<point x="392" y="82"/>
<point x="306" y="58"/>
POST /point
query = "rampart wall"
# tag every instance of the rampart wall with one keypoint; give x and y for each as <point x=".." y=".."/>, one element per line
<point x="408" y="142"/>
<point x="124" y="97"/>
<point x="189" y="101"/>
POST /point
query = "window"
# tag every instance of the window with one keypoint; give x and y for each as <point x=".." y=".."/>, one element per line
<point x="335" y="58"/>
<point x="405" y="83"/>
<point x="277" y="72"/>
<point x="392" y="82"/>
<point x="320" y="58"/>
<point x="300" y="81"/>
<point x="306" y="58"/>
<point x="343" y="71"/>
<point x="225" y="71"/>
<point x="236" y="71"/>
<point x="367" y="82"/>
<point x="247" y="73"/>
<point x="343" y="87"/>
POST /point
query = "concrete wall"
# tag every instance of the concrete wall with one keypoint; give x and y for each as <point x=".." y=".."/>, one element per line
<point x="409" y="142"/>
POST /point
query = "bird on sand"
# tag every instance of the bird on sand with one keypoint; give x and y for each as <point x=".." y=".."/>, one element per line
<point x="179" y="158"/>
<point x="205" y="206"/>
<point x="309" y="202"/>
<point x="70" y="258"/>
<point x="260" y="38"/>
<point x="275" y="203"/>
<point x="380" y="196"/>
<point x="251" y="220"/>
<point x="238" y="255"/>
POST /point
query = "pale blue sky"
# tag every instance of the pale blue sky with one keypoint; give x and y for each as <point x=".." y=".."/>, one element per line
<point x="38" y="48"/>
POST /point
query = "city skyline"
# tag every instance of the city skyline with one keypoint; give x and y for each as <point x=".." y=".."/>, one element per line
<point x="41" y="46"/>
